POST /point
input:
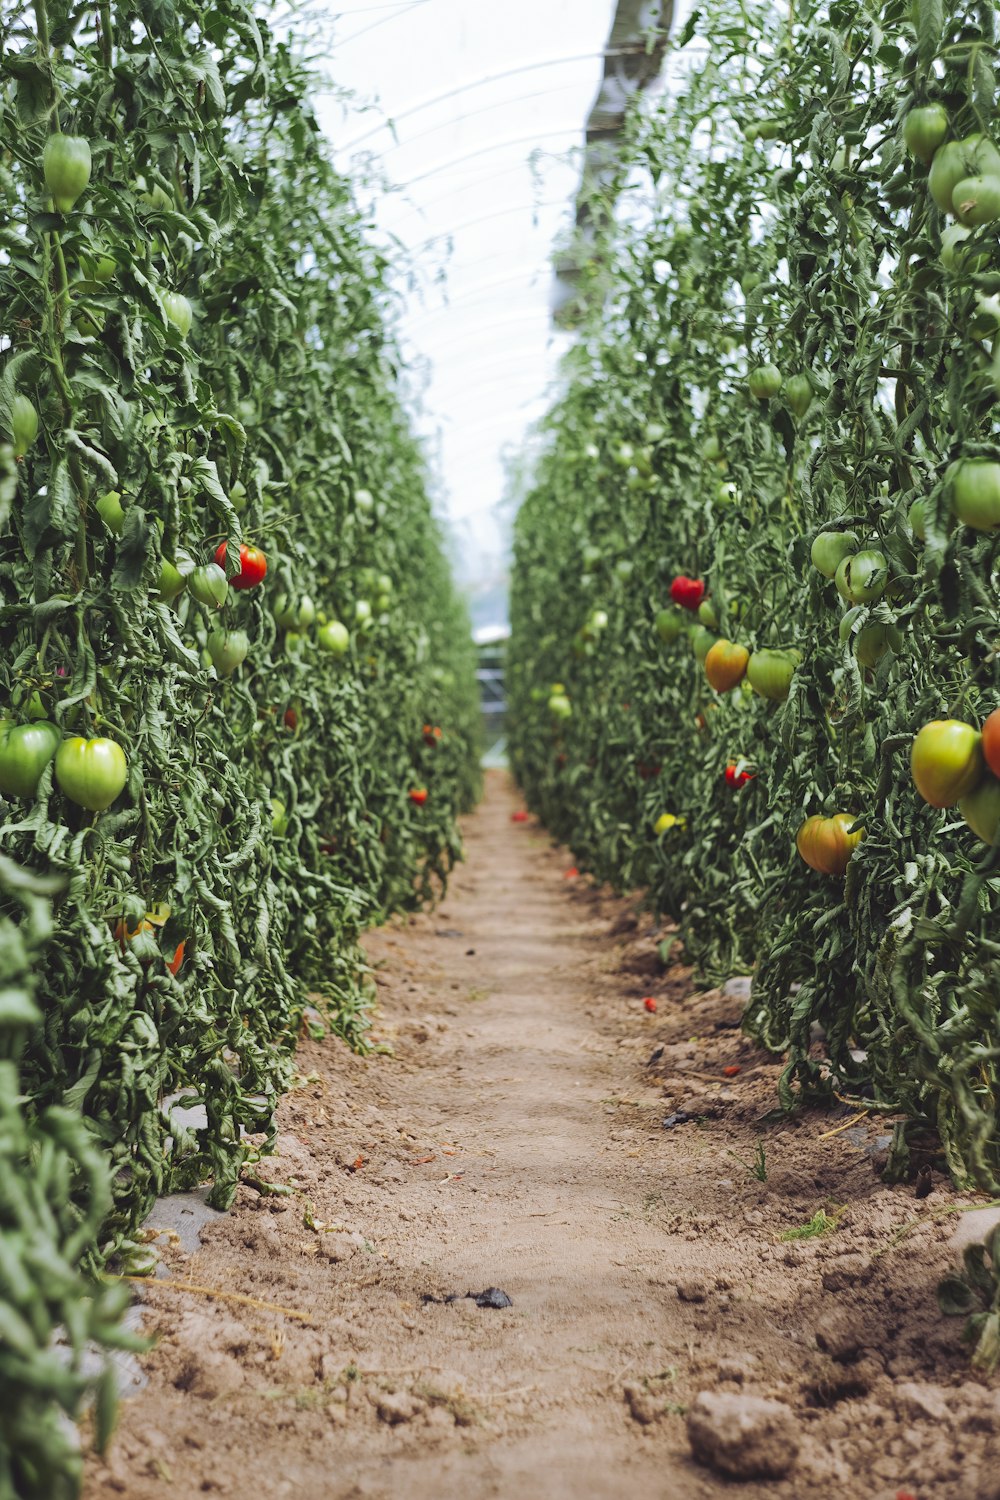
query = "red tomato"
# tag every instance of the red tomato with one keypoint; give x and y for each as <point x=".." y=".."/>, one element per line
<point x="687" y="592"/>
<point x="650" y="1004"/>
<point x="419" y="795"/>
<point x="253" y="566"/>
<point x="519" y="817"/>
<point x="571" y="873"/>
<point x="736" y="777"/>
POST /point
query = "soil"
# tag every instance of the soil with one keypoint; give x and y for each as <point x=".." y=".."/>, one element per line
<point x="511" y="1136"/>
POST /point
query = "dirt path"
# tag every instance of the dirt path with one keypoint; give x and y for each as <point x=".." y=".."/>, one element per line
<point x="515" y="1139"/>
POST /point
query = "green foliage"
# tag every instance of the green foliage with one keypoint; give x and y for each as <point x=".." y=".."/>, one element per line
<point x="774" y="216"/>
<point x="202" y="329"/>
<point x="54" y="1196"/>
<point x="975" y="1295"/>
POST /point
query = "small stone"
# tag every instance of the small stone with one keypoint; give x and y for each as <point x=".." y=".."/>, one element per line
<point x="847" y="1271"/>
<point x="837" y="1336"/>
<point x="692" y="1291"/>
<point x="917" y="1402"/>
<point x="397" y="1408"/>
<point x="641" y="1404"/>
<point x="746" y="1437"/>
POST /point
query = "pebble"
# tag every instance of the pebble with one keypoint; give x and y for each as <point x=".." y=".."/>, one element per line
<point x="745" y="1437"/>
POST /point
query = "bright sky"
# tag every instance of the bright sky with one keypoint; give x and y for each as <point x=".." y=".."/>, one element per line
<point x="485" y="103"/>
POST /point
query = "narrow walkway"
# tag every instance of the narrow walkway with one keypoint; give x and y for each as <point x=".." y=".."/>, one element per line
<point x="513" y="1139"/>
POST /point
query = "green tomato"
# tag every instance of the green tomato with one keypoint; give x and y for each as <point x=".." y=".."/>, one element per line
<point x="23" y="424"/>
<point x="764" y="382"/>
<point x="598" y="621"/>
<point x="975" y="492"/>
<point x="981" y="809"/>
<point x="711" y="449"/>
<point x="170" y="582"/>
<point x="279" y="817"/>
<point x="956" y="255"/>
<point x="702" y="641"/>
<point x="861" y="578"/>
<point x="334" y="637"/>
<point x="35" y="708"/>
<point x="109" y="508"/>
<point x="976" y="201"/>
<point x="560" y="706"/>
<point x="669" y="625"/>
<point x="179" y="312"/>
<point x="924" y="130"/>
<point x="209" y="585"/>
<point x="591" y="557"/>
<point x="829" y="550"/>
<point x="917" y="518"/>
<point x="873" y="641"/>
<point x="384" y="584"/>
<point x="91" y="772"/>
<point x="986" y="319"/>
<point x="228" y="650"/>
<point x="66" y="165"/>
<point x="770" y="673"/>
<point x="364" y="501"/>
<point x="955" y="161"/>
<point x="707" y="614"/>
<point x="104" y="269"/>
<point x="798" y="394"/>
<point x="239" y="497"/>
<point x="25" y="751"/>
<point x="362" y="612"/>
<point x="624" y="569"/>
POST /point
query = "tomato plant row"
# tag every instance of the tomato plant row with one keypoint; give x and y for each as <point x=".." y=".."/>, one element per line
<point x="773" y="476"/>
<point x="225" y="612"/>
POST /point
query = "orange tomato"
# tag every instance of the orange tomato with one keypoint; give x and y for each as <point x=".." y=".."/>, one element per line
<point x="825" y="844"/>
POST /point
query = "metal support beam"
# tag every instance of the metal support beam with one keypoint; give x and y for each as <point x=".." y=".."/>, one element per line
<point x="633" y="58"/>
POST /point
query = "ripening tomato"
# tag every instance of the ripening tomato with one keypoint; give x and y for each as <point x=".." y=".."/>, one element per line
<point x="92" y="773"/>
<point x="152" y="921"/>
<point x="253" y="566"/>
<point x="25" y="751"/>
<point x="418" y="795"/>
<point x="946" y="761"/>
<point x="826" y="844"/>
<point x="66" y="166"/>
<point x="991" y="741"/>
<point x="726" y="665"/>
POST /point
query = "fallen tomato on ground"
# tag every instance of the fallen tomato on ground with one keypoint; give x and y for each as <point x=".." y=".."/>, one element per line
<point x="650" y="1004"/>
<point x="732" y="1070"/>
<point x="519" y="817"/>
